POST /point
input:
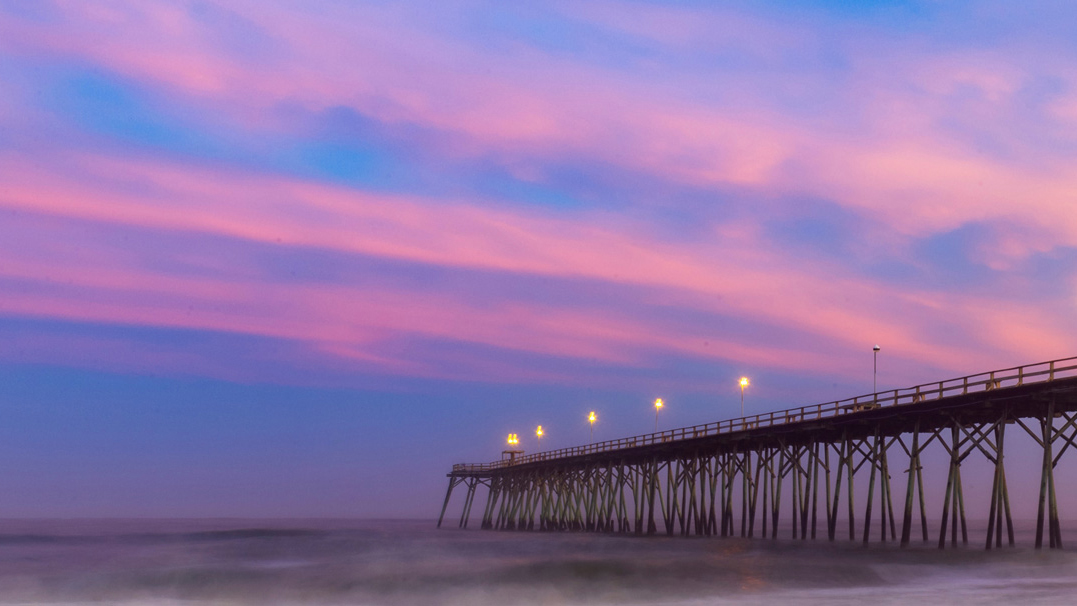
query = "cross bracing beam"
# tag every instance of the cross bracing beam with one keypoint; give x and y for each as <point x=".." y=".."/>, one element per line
<point x="739" y="477"/>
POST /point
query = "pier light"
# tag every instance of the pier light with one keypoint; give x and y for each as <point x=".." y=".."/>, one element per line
<point x="743" y="383"/>
<point x="657" y="406"/>
<point x="538" y="434"/>
<point x="591" y="418"/>
<point x="509" y="454"/>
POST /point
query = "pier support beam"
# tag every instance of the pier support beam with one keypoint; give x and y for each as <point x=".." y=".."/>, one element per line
<point x="696" y="479"/>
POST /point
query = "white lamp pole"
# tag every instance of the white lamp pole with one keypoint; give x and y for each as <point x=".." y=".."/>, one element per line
<point x="875" y="369"/>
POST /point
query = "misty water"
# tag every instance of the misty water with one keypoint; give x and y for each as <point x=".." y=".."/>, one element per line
<point x="397" y="562"/>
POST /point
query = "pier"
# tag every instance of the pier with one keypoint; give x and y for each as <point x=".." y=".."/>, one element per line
<point x="801" y="466"/>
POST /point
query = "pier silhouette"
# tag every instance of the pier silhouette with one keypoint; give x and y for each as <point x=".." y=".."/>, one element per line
<point x="727" y="478"/>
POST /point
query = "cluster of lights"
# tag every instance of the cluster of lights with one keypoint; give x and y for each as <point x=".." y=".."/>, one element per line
<point x="659" y="403"/>
<point x="514" y="439"/>
<point x="592" y="417"/>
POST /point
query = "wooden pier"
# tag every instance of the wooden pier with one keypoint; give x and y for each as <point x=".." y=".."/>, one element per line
<point x="729" y="478"/>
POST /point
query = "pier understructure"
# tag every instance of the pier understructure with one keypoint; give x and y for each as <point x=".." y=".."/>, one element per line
<point x="805" y="467"/>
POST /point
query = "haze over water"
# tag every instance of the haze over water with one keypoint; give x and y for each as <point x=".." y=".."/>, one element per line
<point x="410" y="562"/>
<point x="293" y="259"/>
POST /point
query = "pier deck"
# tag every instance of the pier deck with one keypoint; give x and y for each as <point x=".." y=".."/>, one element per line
<point x="699" y="479"/>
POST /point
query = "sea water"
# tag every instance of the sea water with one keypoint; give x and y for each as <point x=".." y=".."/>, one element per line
<point x="192" y="562"/>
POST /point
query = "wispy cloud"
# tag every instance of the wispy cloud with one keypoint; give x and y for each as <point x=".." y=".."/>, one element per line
<point x="908" y="139"/>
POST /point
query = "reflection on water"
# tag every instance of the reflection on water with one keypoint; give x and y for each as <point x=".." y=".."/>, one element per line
<point x="347" y="562"/>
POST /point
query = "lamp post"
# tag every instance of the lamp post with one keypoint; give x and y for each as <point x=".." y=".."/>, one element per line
<point x="875" y="369"/>
<point x="538" y="434"/>
<point x="743" y="383"/>
<point x="512" y="450"/>
<point x="657" y="406"/>
<point x="591" y="418"/>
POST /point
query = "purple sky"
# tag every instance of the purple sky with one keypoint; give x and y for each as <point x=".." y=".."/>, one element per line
<point x="294" y="258"/>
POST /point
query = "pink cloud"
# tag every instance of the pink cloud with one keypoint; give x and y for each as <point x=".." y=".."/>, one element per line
<point x="731" y="276"/>
<point x="913" y="179"/>
<point x="898" y="170"/>
<point x="692" y="29"/>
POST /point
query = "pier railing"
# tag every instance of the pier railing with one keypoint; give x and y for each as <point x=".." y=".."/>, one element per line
<point x="1042" y="372"/>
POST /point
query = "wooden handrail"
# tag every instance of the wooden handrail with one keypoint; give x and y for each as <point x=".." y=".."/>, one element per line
<point x="996" y="379"/>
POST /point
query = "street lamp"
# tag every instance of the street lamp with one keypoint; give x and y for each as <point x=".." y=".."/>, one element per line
<point x="538" y="434"/>
<point x="743" y="383"/>
<point x="591" y="418"/>
<point x="657" y="406"/>
<point x="875" y="369"/>
<point x="512" y="450"/>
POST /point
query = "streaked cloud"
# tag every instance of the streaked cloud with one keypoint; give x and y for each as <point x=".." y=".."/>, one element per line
<point x="547" y="194"/>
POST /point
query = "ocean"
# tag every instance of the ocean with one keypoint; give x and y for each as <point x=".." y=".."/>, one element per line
<point x="278" y="562"/>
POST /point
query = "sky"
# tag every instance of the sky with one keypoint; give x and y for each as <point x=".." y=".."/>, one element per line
<point x="291" y="259"/>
